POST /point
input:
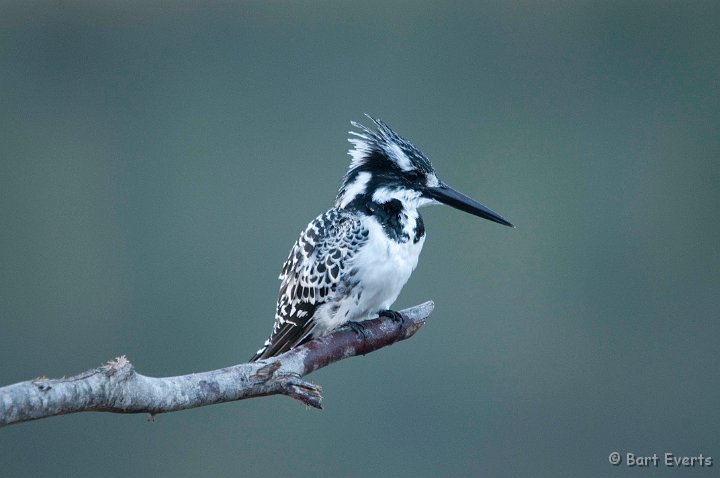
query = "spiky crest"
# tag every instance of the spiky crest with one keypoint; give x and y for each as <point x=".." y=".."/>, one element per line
<point x="379" y="157"/>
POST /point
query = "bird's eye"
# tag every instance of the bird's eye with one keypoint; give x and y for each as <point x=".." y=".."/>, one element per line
<point x="413" y="176"/>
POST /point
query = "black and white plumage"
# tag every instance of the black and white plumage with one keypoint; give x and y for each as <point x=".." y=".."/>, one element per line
<point x="351" y="262"/>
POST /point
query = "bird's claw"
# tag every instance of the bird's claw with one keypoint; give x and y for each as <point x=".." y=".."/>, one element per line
<point x="358" y="328"/>
<point x="396" y="316"/>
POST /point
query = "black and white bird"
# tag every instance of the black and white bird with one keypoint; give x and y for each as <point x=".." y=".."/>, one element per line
<point x="351" y="263"/>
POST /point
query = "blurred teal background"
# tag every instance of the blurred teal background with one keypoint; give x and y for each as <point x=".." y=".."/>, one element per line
<point x="158" y="159"/>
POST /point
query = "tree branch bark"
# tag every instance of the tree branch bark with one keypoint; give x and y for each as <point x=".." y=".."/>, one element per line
<point x="116" y="387"/>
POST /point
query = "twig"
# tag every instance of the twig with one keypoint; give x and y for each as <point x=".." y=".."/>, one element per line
<point x="116" y="387"/>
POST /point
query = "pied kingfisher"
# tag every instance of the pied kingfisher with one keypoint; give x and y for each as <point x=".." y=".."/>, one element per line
<point x="351" y="263"/>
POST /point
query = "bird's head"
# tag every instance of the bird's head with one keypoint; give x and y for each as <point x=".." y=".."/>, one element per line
<point x="386" y="167"/>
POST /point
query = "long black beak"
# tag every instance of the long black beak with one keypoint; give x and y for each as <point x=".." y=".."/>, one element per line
<point x="447" y="195"/>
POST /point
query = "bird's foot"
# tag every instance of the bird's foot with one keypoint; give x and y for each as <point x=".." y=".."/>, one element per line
<point x="396" y="316"/>
<point x="358" y="328"/>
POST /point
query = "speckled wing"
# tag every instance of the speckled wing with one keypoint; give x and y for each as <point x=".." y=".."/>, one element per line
<point x="315" y="273"/>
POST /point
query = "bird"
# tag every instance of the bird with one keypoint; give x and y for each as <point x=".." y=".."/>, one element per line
<point x="350" y="263"/>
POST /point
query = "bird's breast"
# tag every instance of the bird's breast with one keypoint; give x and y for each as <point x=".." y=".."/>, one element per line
<point x="383" y="266"/>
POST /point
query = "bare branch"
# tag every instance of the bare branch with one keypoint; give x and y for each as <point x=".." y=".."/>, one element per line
<point x="116" y="387"/>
